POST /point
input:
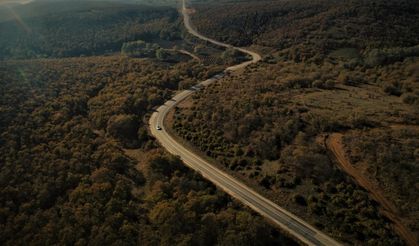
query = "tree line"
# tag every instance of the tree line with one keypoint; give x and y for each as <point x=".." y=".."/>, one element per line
<point x="83" y="29"/>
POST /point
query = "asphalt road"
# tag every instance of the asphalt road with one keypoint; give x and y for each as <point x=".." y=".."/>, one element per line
<point x="281" y="217"/>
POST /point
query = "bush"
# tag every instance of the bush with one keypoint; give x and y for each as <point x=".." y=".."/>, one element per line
<point x="162" y="54"/>
<point x="409" y="98"/>
<point x="318" y="84"/>
<point x="230" y="53"/>
<point x="392" y="89"/>
<point x="297" y="83"/>
<point x="124" y="128"/>
<point x="378" y="57"/>
<point x="375" y="58"/>
<point x="330" y="84"/>
<point x="267" y="181"/>
<point x="140" y="48"/>
<point x="300" y="200"/>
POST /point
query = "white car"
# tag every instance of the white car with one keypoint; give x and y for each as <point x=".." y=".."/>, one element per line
<point x="218" y="76"/>
<point x="158" y="127"/>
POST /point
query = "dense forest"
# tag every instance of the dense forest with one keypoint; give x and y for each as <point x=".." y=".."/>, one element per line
<point x="65" y="29"/>
<point x="311" y="30"/>
<point x="79" y="79"/>
<point x="77" y="165"/>
<point x="348" y="67"/>
<point x="65" y="176"/>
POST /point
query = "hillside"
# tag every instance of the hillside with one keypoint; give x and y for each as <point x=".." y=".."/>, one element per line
<point x="66" y="179"/>
<point x="65" y="29"/>
<point x="77" y="165"/>
<point x="311" y="30"/>
<point x="347" y="67"/>
<point x="267" y="134"/>
<point x="326" y="125"/>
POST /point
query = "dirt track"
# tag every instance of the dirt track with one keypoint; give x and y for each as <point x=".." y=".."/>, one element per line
<point x="334" y="144"/>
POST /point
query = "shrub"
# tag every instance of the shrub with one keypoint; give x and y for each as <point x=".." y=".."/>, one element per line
<point x="330" y="84"/>
<point x="409" y="98"/>
<point x="392" y="89"/>
<point x="318" y="84"/>
<point x="375" y="58"/>
<point x="162" y="54"/>
<point x="124" y="128"/>
<point x="139" y="48"/>
<point x="267" y="181"/>
<point x="299" y="199"/>
<point x="378" y="57"/>
<point x="297" y="83"/>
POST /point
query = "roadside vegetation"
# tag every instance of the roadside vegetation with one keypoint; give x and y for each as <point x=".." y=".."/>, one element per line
<point x="67" y="179"/>
<point x="390" y="157"/>
<point x="80" y="79"/>
<point x="267" y="132"/>
<point x="348" y="67"/>
<point x="77" y="165"/>
<point x="310" y="29"/>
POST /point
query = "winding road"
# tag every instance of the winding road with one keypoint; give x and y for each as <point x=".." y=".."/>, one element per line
<point x="290" y="223"/>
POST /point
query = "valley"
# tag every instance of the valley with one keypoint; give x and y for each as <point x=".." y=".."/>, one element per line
<point x="219" y="122"/>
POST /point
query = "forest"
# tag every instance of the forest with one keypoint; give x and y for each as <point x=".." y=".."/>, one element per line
<point x="329" y="67"/>
<point x="79" y="80"/>
<point x="78" y="28"/>
<point x="268" y="133"/>
<point x="69" y="173"/>
<point x="311" y="30"/>
<point x="77" y="165"/>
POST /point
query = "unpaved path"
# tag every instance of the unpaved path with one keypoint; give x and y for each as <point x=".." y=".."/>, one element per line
<point x="189" y="54"/>
<point x="334" y="144"/>
<point x="185" y="52"/>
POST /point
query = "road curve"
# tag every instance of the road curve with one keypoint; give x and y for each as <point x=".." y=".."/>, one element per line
<point x="281" y="217"/>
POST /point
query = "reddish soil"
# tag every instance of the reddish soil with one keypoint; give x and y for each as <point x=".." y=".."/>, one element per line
<point x="334" y="144"/>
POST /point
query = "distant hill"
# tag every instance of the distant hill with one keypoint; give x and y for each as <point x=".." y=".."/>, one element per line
<point x="335" y="75"/>
<point x="312" y="27"/>
<point x="74" y="28"/>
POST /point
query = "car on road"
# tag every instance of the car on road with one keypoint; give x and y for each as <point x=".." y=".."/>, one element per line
<point x="158" y="128"/>
<point x="195" y="88"/>
<point x="218" y="76"/>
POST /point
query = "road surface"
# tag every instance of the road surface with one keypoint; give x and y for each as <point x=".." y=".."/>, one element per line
<point x="284" y="219"/>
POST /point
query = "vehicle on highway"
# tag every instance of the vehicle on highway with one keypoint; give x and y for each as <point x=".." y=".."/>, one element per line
<point x="218" y="76"/>
<point x="195" y="88"/>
